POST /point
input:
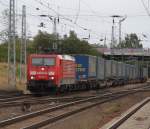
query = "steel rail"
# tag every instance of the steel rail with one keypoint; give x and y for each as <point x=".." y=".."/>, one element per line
<point x="14" y="98"/>
<point x="41" y="101"/>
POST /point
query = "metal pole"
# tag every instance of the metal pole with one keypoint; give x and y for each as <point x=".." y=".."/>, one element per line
<point x="120" y="28"/>
<point x="12" y="47"/>
<point x="55" y="27"/>
<point x="23" y="46"/>
<point x="112" y="38"/>
<point x="55" y="33"/>
<point x="105" y="41"/>
<point x="112" y="45"/>
<point x="120" y="36"/>
<point x="113" y="27"/>
<point x="119" y="31"/>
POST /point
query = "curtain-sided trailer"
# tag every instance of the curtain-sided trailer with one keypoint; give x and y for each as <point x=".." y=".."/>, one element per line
<point x="100" y="69"/>
<point x="86" y="67"/>
<point x="108" y="69"/>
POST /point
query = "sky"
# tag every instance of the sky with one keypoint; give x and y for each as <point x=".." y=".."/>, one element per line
<point x="86" y="17"/>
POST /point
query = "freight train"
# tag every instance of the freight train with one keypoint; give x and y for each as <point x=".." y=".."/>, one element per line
<point x="59" y="73"/>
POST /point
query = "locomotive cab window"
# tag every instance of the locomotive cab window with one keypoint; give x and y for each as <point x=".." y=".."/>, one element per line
<point x="43" y="61"/>
<point x="49" y="61"/>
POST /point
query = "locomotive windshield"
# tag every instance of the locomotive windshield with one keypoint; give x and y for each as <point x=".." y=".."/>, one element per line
<point x="42" y="61"/>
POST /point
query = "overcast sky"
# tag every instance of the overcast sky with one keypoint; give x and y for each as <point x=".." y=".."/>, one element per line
<point x="93" y="15"/>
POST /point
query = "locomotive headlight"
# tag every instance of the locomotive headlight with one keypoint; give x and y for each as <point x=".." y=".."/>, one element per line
<point x="33" y="73"/>
<point x="32" y="77"/>
<point x="52" y="78"/>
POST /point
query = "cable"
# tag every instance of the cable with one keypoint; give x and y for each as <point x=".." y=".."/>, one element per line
<point x="78" y="12"/>
<point x="63" y="16"/>
<point x="145" y="7"/>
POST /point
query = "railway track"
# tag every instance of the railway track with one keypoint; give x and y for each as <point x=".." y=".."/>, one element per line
<point x="46" y="116"/>
<point x="19" y="100"/>
<point x="14" y="98"/>
<point x="5" y="94"/>
<point x="40" y="101"/>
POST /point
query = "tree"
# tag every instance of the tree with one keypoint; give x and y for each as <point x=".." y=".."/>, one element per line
<point x="4" y="21"/>
<point x="73" y="45"/>
<point x="43" y="40"/>
<point x="67" y="45"/>
<point x="131" y="41"/>
<point x="4" y="50"/>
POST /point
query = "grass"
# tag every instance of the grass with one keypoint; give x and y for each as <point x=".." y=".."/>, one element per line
<point x="113" y="109"/>
<point x="3" y="74"/>
<point x="4" y="78"/>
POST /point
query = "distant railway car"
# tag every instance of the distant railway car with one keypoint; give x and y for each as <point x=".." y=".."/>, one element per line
<point x="130" y="72"/>
<point x="124" y="70"/>
<point x="120" y="76"/>
<point x="114" y="69"/>
<point x="134" y="72"/>
<point x="119" y="71"/>
<point x="108" y="69"/>
<point x="100" y="69"/>
<point x="140" y="74"/>
<point x="46" y="72"/>
<point x="145" y="73"/>
<point x="127" y="75"/>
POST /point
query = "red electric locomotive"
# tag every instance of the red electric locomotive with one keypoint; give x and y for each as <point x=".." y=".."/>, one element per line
<point x="46" y="73"/>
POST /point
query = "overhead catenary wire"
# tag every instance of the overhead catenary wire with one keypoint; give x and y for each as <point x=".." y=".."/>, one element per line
<point x="146" y="9"/>
<point x="63" y="17"/>
<point x="81" y="16"/>
<point x="78" y="12"/>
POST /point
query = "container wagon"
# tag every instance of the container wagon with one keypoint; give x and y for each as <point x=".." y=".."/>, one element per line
<point x="86" y="70"/>
<point x="145" y="74"/>
<point x="108" y="72"/>
<point x="100" y="74"/>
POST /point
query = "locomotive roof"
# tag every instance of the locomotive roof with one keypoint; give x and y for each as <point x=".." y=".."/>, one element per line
<point x="64" y="57"/>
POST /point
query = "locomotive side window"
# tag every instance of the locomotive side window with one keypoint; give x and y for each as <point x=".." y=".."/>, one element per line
<point x="43" y="61"/>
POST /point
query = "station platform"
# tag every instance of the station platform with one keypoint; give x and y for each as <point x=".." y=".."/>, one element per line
<point x="138" y="120"/>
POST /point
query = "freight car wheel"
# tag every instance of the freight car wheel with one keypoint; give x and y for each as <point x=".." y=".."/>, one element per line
<point x="98" y="86"/>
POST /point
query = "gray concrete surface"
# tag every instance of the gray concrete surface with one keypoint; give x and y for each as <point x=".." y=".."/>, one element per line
<point x="140" y="120"/>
